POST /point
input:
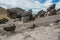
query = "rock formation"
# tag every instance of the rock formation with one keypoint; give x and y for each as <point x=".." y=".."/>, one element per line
<point x="27" y="16"/>
<point x="15" y="12"/>
<point x="51" y="10"/>
<point x="41" y="13"/>
<point x="58" y="11"/>
<point x="51" y="7"/>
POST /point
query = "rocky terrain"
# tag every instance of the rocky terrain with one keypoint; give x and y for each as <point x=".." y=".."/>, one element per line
<point x="45" y="29"/>
<point x="18" y="24"/>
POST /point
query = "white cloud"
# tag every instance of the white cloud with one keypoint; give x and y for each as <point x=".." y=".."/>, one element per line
<point x="57" y="5"/>
<point x="35" y="5"/>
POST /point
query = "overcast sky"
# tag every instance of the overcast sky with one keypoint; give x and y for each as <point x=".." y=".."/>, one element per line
<point x="35" y="5"/>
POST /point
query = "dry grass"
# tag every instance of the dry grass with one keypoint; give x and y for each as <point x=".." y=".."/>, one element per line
<point x="3" y="16"/>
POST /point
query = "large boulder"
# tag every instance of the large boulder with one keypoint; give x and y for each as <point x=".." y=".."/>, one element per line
<point x="41" y="13"/>
<point x="58" y="11"/>
<point x="3" y="21"/>
<point x="15" y="12"/>
<point x="51" y="7"/>
<point x="27" y="16"/>
<point x="10" y="28"/>
<point x="52" y="12"/>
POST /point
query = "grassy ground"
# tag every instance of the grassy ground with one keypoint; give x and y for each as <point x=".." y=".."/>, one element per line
<point x="3" y="16"/>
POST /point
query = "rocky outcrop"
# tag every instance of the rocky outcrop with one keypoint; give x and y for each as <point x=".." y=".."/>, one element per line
<point x="15" y="12"/>
<point x="41" y="13"/>
<point x="27" y="16"/>
<point x="10" y="28"/>
<point x="51" y="7"/>
<point x="58" y="11"/>
<point x="3" y="21"/>
<point x="51" y="10"/>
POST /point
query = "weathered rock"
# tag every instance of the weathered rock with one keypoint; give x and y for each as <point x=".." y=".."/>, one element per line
<point x="51" y="12"/>
<point x="25" y="19"/>
<point x="15" y="12"/>
<point x="51" y="7"/>
<point x="27" y="16"/>
<point x="33" y="26"/>
<point x="41" y="13"/>
<point x="4" y="20"/>
<point x="10" y="28"/>
<point x="58" y="11"/>
<point x="57" y="21"/>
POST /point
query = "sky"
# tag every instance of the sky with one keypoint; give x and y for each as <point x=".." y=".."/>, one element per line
<point x="35" y="5"/>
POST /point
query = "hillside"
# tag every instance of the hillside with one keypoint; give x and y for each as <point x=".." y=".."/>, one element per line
<point x="3" y="13"/>
<point x="45" y="29"/>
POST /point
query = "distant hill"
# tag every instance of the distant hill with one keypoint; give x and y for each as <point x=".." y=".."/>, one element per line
<point x="3" y="13"/>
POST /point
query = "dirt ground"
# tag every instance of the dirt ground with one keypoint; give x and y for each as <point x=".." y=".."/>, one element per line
<point x="45" y="29"/>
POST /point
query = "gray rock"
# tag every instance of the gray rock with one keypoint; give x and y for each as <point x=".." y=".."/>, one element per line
<point x="58" y="11"/>
<point x="51" y="12"/>
<point x="41" y="13"/>
<point x="27" y="16"/>
<point x="15" y="12"/>
<point x="51" y="7"/>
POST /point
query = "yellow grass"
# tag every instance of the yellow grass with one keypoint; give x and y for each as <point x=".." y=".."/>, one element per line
<point x="3" y="16"/>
